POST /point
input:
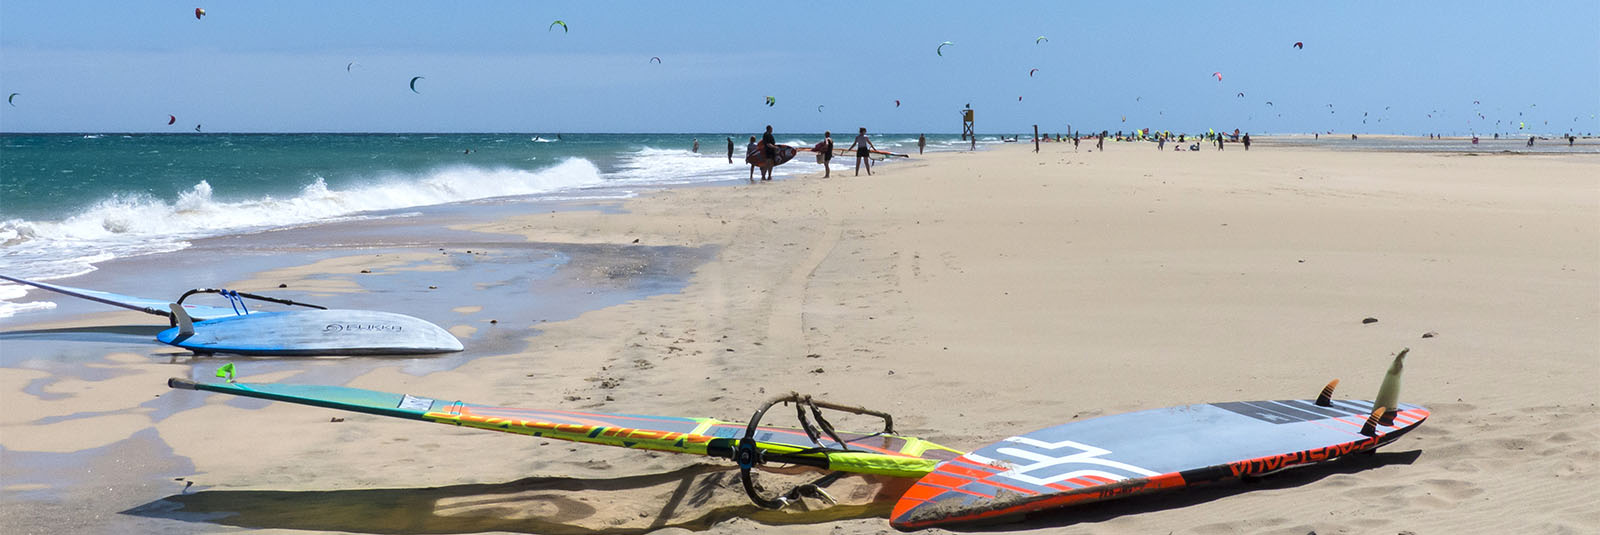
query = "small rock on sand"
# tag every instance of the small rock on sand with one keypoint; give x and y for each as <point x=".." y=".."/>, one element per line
<point x="1369" y="320"/>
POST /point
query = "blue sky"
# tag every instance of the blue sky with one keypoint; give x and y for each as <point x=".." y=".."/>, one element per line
<point x="115" y="66"/>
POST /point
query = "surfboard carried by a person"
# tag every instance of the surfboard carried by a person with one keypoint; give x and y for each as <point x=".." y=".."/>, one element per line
<point x="1095" y="459"/>
<point x="782" y="155"/>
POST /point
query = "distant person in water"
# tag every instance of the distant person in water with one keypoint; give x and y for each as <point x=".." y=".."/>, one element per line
<point x="730" y="149"/>
<point x="922" y="142"/>
<point x="1570" y="139"/>
<point x="750" y="150"/>
<point x="1530" y="141"/>
<point x="1247" y="141"/>
<point x="696" y="148"/>
<point x="825" y="154"/>
<point x="1353" y="137"/>
<point x="863" y="147"/>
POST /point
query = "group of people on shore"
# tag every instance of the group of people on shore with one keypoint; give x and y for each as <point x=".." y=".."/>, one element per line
<point x="763" y="153"/>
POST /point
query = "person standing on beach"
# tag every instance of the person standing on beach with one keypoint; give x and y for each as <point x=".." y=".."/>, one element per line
<point x="696" y="148"/>
<point x="922" y="141"/>
<point x="730" y="149"/>
<point x="1100" y="142"/>
<point x="769" y="149"/>
<point x="750" y="150"/>
<point x="825" y="154"/>
<point x="1246" y="141"/>
<point x="863" y="147"/>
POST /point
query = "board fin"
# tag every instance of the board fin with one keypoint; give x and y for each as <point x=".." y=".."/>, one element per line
<point x="1389" y="393"/>
<point x="1371" y="428"/>
<point x="1325" y="399"/>
<point x="185" y="323"/>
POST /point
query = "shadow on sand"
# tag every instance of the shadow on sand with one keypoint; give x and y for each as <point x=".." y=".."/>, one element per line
<point x="68" y="333"/>
<point x="693" y="498"/>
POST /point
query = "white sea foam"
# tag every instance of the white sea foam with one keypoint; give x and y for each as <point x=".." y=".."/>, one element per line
<point x="129" y="225"/>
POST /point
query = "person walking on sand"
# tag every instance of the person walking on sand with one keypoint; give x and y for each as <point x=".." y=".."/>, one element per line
<point x="730" y="149"/>
<point x="1100" y="142"/>
<point x="1246" y="141"/>
<point x="825" y="154"/>
<point x="863" y="147"/>
<point x="922" y="141"/>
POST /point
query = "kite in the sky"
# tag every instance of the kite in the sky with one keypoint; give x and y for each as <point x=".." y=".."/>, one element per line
<point x="1269" y="103"/>
<point x="819" y="108"/>
<point x="414" y="85"/>
<point x="1030" y="73"/>
<point x="897" y="103"/>
<point x="197" y="127"/>
<point x="553" y="25"/>
<point x="171" y="119"/>
<point x="771" y="101"/>
<point x="1218" y="75"/>
<point x="656" y="59"/>
<point x="1019" y="99"/>
<point x="10" y="99"/>
<point x="1041" y="39"/>
<point x="1299" y="45"/>
<point x="199" y="12"/>
<point x="347" y="66"/>
<point x="940" y="49"/>
<point x="1241" y="95"/>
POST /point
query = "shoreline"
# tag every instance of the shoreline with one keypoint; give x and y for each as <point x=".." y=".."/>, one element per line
<point x="974" y="296"/>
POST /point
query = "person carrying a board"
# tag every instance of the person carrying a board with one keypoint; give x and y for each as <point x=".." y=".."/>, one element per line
<point x="825" y="154"/>
<point x="769" y="149"/>
<point x="863" y="147"/>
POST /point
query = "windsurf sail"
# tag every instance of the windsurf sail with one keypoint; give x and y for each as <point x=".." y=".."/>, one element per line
<point x="142" y="304"/>
<point x="159" y="307"/>
<point x="815" y="445"/>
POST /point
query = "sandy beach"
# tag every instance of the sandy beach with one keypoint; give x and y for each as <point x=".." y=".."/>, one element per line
<point x="972" y="295"/>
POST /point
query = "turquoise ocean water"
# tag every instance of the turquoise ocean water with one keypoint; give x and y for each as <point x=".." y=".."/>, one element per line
<point x="70" y="201"/>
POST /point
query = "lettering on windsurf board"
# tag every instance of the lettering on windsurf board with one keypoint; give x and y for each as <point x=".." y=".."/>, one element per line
<point x="1041" y="463"/>
<point x="1278" y="462"/>
<point x="361" y="327"/>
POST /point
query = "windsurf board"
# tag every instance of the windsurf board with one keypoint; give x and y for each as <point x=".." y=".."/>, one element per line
<point x="1127" y="454"/>
<point x="314" y="332"/>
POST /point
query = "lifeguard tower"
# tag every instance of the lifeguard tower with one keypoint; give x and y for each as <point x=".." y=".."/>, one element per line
<point x="966" y="126"/>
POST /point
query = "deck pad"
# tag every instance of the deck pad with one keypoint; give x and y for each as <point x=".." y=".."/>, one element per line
<point x="1126" y="454"/>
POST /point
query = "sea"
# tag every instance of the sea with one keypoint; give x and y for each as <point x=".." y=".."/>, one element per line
<point x="69" y="202"/>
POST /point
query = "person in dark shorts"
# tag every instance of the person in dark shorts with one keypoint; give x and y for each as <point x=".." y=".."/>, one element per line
<point x="863" y="147"/>
<point x="825" y="154"/>
<point x="769" y="149"/>
<point x="730" y="149"/>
